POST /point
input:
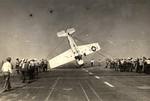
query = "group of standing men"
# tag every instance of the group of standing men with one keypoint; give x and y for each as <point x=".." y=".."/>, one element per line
<point x="138" y="65"/>
<point x="27" y="69"/>
<point x="30" y="68"/>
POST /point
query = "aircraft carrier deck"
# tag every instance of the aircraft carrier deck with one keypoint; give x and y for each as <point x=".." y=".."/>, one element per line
<point x="85" y="84"/>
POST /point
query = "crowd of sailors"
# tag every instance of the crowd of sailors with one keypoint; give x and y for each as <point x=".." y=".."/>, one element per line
<point x="27" y="70"/>
<point x="139" y="65"/>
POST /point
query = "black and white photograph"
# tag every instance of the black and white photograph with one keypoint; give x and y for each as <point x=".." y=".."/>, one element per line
<point x="74" y="50"/>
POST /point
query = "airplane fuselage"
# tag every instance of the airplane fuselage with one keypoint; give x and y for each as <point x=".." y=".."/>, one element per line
<point x="75" y="50"/>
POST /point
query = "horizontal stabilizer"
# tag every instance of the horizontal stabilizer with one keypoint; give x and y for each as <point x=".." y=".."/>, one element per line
<point x="70" y="31"/>
<point x="62" y="34"/>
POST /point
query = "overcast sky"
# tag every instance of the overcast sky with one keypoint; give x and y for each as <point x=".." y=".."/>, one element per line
<point x="28" y="27"/>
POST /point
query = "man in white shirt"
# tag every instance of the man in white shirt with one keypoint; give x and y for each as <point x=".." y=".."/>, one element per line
<point x="7" y="69"/>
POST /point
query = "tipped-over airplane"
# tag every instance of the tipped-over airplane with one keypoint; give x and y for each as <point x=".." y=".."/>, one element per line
<point x="74" y="53"/>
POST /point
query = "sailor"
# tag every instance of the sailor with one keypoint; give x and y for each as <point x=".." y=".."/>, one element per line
<point x="140" y="65"/>
<point x="122" y="65"/>
<point x="24" y="68"/>
<point x="45" y="65"/>
<point x="128" y="64"/>
<point x="17" y="65"/>
<point x="137" y="65"/>
<point x="42" y="65"/>
<point x="147" y="66"/>
<point x="131" y="64"/>
<point x="92" y="63"/>
<point x="107" y="63"/>
<point x="37" y="66"/>
<point x="32" y="69"/>
<point x="7" y="69"/>
<point x="119" y="63"/>
<point x="116" y="64"/>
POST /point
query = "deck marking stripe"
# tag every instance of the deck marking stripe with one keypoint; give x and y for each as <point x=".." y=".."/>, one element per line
<point x="110" y="85"/>
<point x="97" y="77"/>
<point x="84" y="92"/>
<point x="85" y="70"/>
<point x="90" y="73"/>
<point x="52" y="89"/>
<point x="93" y="90"/>
<point x="143" y="87"/>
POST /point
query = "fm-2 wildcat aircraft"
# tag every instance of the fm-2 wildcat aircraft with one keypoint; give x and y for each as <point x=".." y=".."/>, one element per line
<point x="75" y="53"/>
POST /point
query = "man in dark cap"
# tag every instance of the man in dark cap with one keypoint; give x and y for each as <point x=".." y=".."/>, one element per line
<point x="7" y="69"/>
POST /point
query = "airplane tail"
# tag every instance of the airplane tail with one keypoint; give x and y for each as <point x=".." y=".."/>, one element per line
<point x="65" y="34"/>
<point x="61" y="34"/>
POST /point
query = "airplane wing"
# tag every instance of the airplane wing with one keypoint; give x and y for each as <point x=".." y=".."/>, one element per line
<point x="61" y="59"/>
<point x="88" y="49"/>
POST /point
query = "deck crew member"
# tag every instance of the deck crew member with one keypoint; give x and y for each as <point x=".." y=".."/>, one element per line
<point x="7" y="69"/>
